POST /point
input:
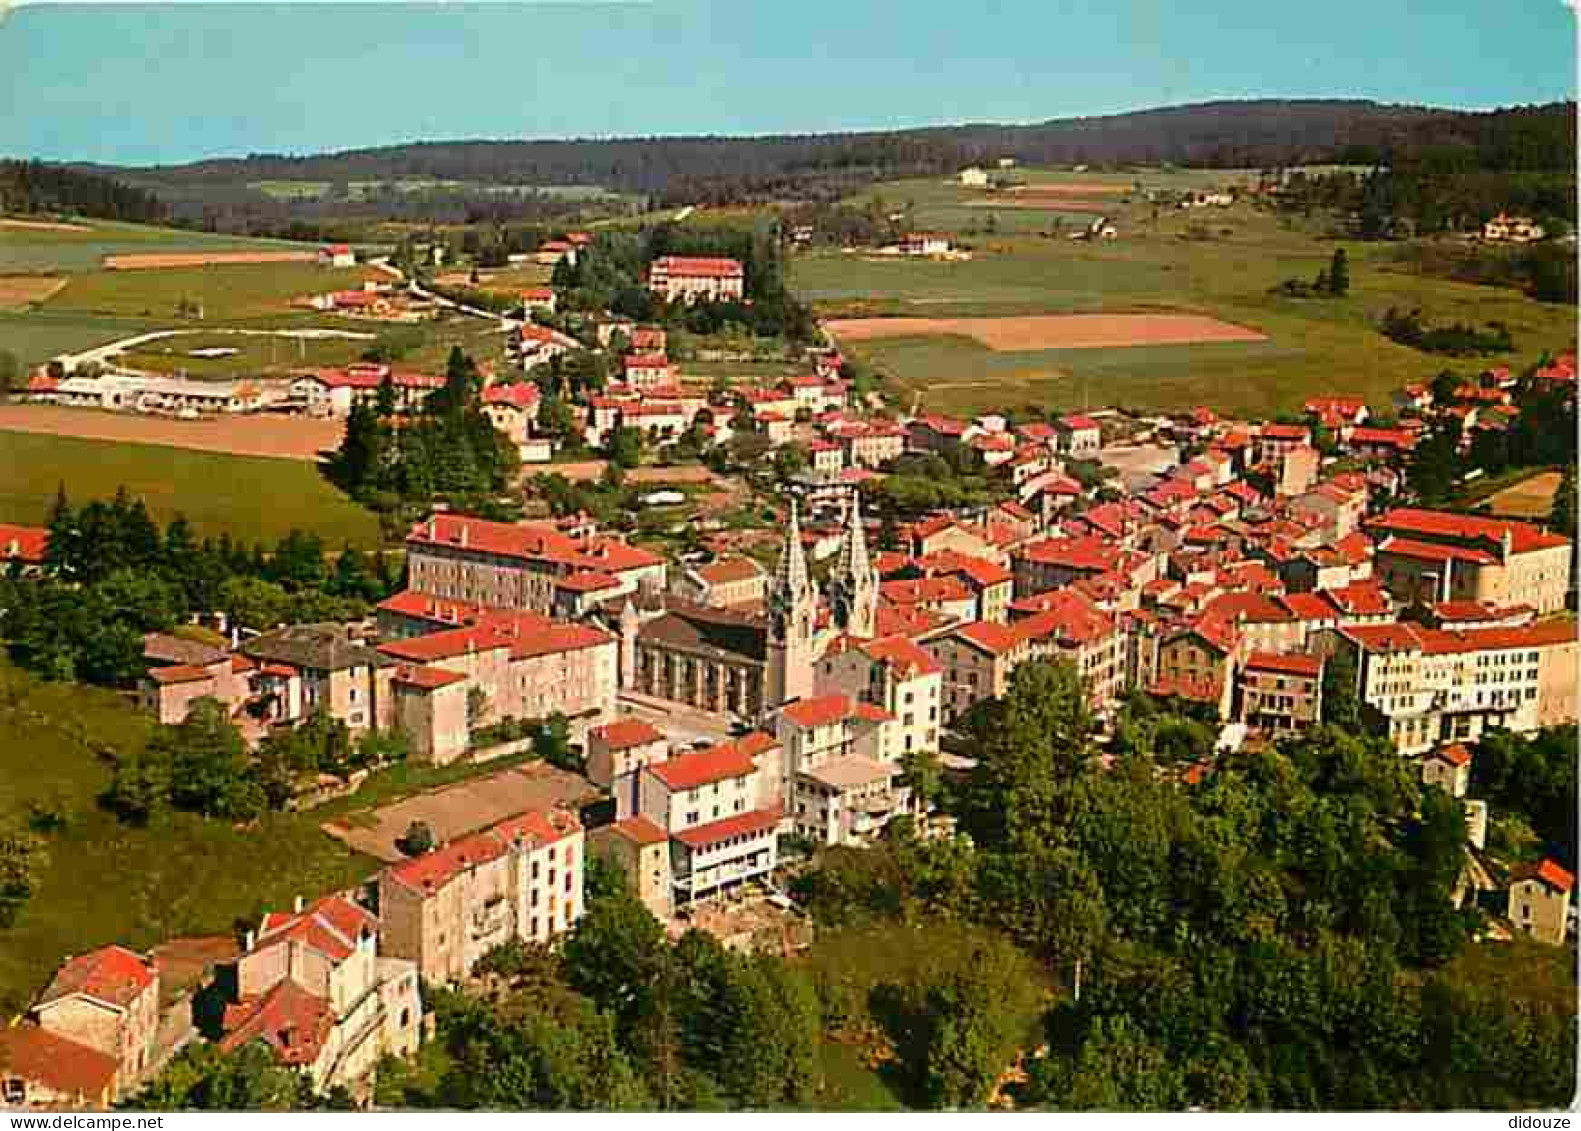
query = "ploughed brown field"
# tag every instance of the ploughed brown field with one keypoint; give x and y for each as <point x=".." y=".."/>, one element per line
<point x="1053" y="331"/>
<point x="19" y="290"/>
<point x="142" y="261"/>
<point x="285" y="437"/>
<point x="1075" y="188"/>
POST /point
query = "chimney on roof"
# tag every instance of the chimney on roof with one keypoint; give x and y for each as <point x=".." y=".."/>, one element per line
<point x="248" y="941"/>
<point x="433" y="527"/>
<point x="296" y="905"/>
<point x="463" y="539"/>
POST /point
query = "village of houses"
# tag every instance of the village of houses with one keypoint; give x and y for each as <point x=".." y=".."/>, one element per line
<point x="721" y="706"/>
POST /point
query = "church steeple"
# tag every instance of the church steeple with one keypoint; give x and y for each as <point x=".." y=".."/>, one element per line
<point x="790" y="576"/>
<point x="853" y="588"/>
<point x="792" y="609"/>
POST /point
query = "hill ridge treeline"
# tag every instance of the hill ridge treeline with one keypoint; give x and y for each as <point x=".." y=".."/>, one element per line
<point x="1224" y="134"/>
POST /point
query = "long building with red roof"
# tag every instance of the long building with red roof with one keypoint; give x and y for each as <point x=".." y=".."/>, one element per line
<point x="1427" y="557"/>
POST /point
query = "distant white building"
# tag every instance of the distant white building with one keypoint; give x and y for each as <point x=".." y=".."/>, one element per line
<point x="974" y="177"/>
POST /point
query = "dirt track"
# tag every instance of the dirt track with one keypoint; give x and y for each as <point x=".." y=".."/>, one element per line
<point x="284" y="437"/>
<point x="1053" y="331"/>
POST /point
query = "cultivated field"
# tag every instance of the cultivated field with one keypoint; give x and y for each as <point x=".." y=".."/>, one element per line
<point x="251" y="498"/>
<point x="1052" y="331"/>
<point x="281" y="437"/>
<point x="32" y="246"/>
<point x="154" y="260"/>
<point x="24" y="290"/>
<point x="1216" y="263"/>
<point x="1531" y="498"/>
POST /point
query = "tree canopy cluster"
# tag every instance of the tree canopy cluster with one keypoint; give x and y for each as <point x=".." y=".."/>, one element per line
<point x="610" y="273"/>
<point x="112" y="574"/>
<point x="1279" y="934"/>
<point x="448" y="450"/>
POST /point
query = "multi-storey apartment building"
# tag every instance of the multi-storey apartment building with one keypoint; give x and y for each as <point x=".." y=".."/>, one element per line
<point x="893" y="673"/>
<point x="1281" y="692"/>
<point x="1436" y="685"/>
<point x="521" y="879"/>
<point x="710" y="804"/>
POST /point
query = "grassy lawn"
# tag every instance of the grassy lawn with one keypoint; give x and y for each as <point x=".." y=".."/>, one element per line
<point x="253" y="499"/>
<point x="108" y="882"/>
<point x="225" y="290"/>
<point x="1329" y="345"/>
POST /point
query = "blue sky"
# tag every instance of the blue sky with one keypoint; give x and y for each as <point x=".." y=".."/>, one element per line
<point x="138" y="83"/>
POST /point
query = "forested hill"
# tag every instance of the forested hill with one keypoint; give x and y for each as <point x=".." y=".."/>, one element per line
<point x="32" y="186"/>
<point x="1255" y="134"/>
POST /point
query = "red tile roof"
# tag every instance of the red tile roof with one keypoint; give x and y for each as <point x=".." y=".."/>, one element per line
<point x="292" y="1021"/>
<point x="61" y="1065"/>
<point x="523" y="395"/>
<point x="640" y="830"/>
<point x="994" y="638"/>
<point x="623" y="734"/>
<point x="753" y="823"/>
<point x="726" y="570"/>
<point x="1362" y="599"/>
<point x="536" y="542"/>
<point x="330" y="926"/>
<point x="1077" y="423"/>
<point x="1410" y="521"/>
<point x="111" y="974"/>
<point x="685" y="266"/>
<point x="429" y="679"/>
<point x="1456" y="754"/>
<point x="1548" y="872"/>
<point x="826" y="710"/>
<point x="1309" y="606"/>
<point x="179" y="673"/>
<point x="902" y="655"/>
<point x="1311" y="667"/>
<point x="23" y="543"/>
<point x="1434" y="551"/>
<point x="435" y="869"/>
<point x="701" y="767"/>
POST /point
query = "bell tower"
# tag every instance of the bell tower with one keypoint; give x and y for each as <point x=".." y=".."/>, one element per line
<point x="792" y="611"/>
<point x="853" y="586"/>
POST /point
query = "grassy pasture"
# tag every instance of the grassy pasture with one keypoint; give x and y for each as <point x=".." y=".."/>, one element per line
<point x="251" y="498"/>
<point x="1328" y="345"/>
<point x="35" y="336"/>
<point x="224" y="291"/>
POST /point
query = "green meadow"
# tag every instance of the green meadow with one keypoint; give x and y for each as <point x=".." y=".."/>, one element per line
<point x="253" y="499"/>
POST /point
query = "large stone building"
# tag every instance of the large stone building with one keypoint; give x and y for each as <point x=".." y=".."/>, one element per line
<point x="1426" y="557"/>
<point x="521" y="879"/>
<point x="681" y="278"/>
<point x="507" y="566"/>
